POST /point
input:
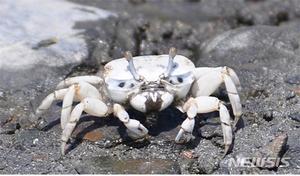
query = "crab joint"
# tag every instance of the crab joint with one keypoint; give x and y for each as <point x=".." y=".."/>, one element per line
<point x="128" y="57"/>
<point x="172" y="54"/>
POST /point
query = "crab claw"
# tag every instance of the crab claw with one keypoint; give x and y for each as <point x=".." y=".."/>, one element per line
<point x="226" y="150"/>
<point x="183" y="137"/>
<point x="188" y="124"/>
<point x="138" y="130"/>
<point x="185" y="133"/>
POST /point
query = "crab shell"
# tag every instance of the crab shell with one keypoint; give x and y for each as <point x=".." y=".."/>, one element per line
<point x="154" y="92"/>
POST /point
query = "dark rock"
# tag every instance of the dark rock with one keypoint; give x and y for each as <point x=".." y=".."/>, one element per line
<point x="108" y="165"/>
<point x="210" y="131"/>
<point x="101" y="52"/>
<point x="142" y="37"/>
<point x="20" y="147"/>
<point x="3" y="164"/>
<point x="137" y="2"/>
<point x="210" y="128"/>
<point x="239" y="45"/>
<point x="193" y="0"/>
<point x="272" y="151"/>
<point x="258" y="92"/>
<point x="295" y="116"/>
<point x="46" y="43"/>
<point x="292" y="158"/>
<point x="10" y="125"/>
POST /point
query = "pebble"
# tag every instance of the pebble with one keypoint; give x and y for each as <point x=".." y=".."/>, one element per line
<point x="291" y="95"/>
<point x="35" y="141"/>
<point x="295" y="79"/>
<point x="268" y="116"/>
<point x="20" y="147"/>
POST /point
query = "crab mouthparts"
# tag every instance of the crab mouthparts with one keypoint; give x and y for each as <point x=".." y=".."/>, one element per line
<point x="152" y="87"/>
<point x="154" y="96"/>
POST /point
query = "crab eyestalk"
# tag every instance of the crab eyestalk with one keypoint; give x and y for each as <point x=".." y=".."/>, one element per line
<point x="128" y="57"/>
<point x="172" y="54"/>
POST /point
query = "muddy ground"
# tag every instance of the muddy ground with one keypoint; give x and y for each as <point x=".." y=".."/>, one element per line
<point x="259" y="39"/>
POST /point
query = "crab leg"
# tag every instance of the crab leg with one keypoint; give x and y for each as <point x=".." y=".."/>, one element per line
<point x="188" y="124"/>
<point x="67" y="106"/>
<point x="234" y="77"/>
<point x="201" y="86"/>
<point x="82" y="90"/>
<point x="216" y="77"/>
<point x="91" y="106"/>
<point x="132" y="125"/>
<point x="201" y="71"/>
<point x="205" y="104"/>
<point x="78" y="91"/>
<point x="69" y="81"/>
<point x="46" y="103"/>
<point x="234" y="98"/>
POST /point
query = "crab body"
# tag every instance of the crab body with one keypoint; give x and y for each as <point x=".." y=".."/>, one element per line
<point x="152" y="93"/>
<point x="148" y="84"/>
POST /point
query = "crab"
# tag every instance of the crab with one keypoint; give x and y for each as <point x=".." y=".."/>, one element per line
<point x="148" y="83"/>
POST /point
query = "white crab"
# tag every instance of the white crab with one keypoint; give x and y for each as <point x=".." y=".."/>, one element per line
<point x="147" y="83"/>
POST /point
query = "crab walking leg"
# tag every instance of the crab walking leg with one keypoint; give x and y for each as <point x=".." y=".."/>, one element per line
<point x="132" y="125"/>
<point x="91" y="106"/>
<point x="226" y="127"/>
<point x="202" y="71"/>
<point x="207" y="84"/>
<point x="205" y="104"/>
<point x="67" y="106"/>
<point x="215" y="79"/>
<point x="234" y="78"/>
<point x="69" y="81"/>
<point x="46" y="103"/>
<point x="233" y="98"/>
<point x="77" y="92"/>
<point x="188" y="124"/>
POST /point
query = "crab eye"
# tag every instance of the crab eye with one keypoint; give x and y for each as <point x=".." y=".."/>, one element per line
<point x="182" y="79"/>
<point x="122" y="84"/>
<point x="179" y="79"/>
<point x="176" y="80"/>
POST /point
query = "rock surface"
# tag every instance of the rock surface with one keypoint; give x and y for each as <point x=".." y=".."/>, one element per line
<point x="41" y="46"/>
